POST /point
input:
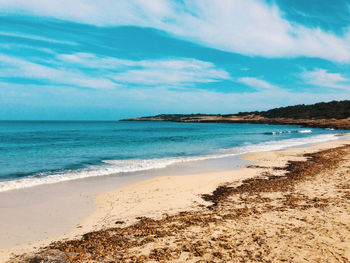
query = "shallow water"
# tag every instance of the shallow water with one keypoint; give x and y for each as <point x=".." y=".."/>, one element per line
<point x="37" y="152"/>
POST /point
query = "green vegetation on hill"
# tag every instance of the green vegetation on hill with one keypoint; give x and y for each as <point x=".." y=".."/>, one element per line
<point x="318" y="111"/>
<point x="323" y="110"/>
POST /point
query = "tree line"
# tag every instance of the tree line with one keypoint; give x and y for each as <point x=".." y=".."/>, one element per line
<point x="322" y="110"/>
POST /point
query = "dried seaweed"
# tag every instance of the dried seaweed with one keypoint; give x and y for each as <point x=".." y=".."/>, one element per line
<point x="228" y="203"/>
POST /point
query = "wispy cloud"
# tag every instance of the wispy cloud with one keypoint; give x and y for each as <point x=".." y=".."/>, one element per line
<point x="89" y="60"/>
<point x="13" y="67"/>
<point x="36" y="37"/>
<point x="90" y="71"/>
<point x="168" y="72"/>
<point x="250" y="27"/>
<point x="149" y="72"/>
<point x="258" y="84"/>
<point x="322" y="78"/>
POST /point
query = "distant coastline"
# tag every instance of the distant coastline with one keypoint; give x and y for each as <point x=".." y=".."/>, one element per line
<point x="332" y="115"/>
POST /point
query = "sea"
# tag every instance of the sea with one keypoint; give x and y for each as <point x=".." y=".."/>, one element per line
<point x="34" y="153"/>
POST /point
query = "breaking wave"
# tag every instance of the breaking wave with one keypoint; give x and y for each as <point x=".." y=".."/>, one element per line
<point x="111" y="167"/>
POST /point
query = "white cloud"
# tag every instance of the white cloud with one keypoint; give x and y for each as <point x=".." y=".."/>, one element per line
<point x="101" y="13"/>
<point x="258" y="84"/>
<point x="109" y="72"/>
<point x="88" y="60"/>
<point x="250" y="27"/>
<point x="169" y="72"/>
<point x="35" y="37"/>
<point x="321" y="78"/>
<point x="13" y="67"/>
<point x="150" y="72"/>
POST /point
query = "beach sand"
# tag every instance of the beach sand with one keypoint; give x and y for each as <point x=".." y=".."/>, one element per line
<point x="302" y="216"/>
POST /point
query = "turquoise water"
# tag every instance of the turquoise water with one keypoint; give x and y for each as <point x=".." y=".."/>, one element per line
<point x="37" y="152"/>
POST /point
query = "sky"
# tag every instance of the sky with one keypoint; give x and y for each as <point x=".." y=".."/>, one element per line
<point x="107" y="59"/>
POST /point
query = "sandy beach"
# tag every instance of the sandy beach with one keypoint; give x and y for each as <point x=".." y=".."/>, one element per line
<point x="290" y="205"/>
<point x="174" y="131"/>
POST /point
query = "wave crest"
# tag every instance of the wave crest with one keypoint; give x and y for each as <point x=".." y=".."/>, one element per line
<point x="110" y="167"/>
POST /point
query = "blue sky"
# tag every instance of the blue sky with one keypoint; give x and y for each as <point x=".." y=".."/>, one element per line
<point x="108" y="59"/>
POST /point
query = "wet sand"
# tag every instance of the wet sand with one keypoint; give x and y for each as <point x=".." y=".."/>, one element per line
<point x="224" y="216"/>
<point x="33" y="217"/>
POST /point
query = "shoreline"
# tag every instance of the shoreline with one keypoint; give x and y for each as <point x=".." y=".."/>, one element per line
<point x="42" y="217"/>
<point x="150" y="165"/>
<point x="196" y="184"/>
<point x="338" y="124"/>
<point x="169" y="194"/>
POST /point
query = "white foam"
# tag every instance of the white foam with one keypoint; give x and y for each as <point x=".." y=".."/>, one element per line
<point x="288" y="131"/>
<point x="132" y="165"/>
<point x="305" y="131"/>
